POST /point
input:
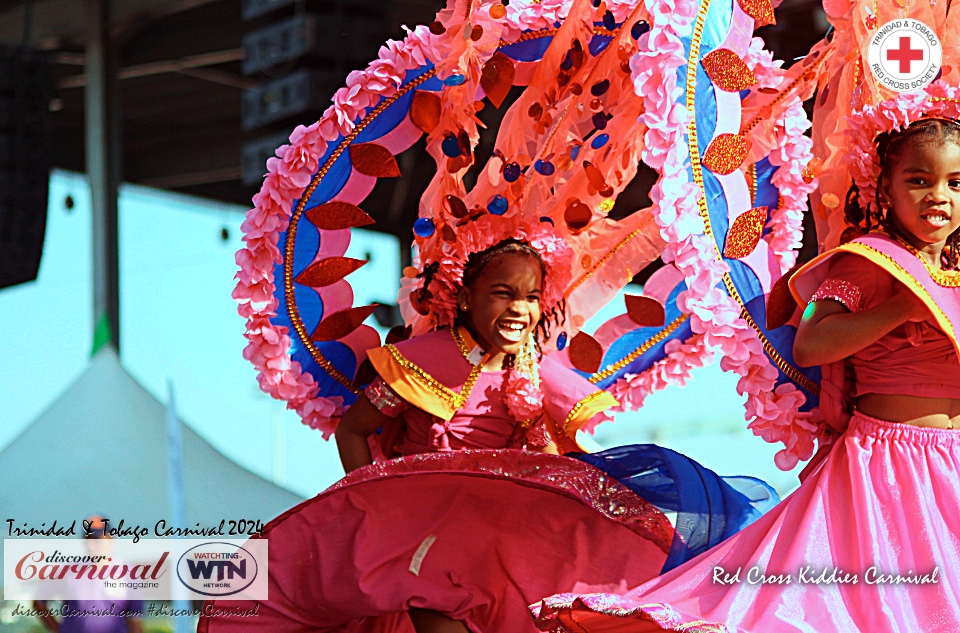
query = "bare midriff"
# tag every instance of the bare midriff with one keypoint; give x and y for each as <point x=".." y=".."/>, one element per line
<point x="943" y="413"/>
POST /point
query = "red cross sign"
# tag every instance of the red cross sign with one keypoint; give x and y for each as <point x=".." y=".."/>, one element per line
<point x="905" y="55"/>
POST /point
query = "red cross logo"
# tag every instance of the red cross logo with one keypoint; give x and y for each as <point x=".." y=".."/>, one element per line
<point x="905" y="55"/>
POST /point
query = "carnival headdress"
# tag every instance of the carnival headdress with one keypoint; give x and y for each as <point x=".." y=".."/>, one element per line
<point x="607" y="85"/>
<point x="854" y="107"/>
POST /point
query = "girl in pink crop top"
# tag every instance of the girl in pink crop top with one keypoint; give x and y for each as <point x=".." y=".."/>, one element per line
<point x="914" y="358"/>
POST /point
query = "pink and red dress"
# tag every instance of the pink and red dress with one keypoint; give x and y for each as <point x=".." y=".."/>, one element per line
<point x="465" y="522"/>
<point x="871" y="539"/>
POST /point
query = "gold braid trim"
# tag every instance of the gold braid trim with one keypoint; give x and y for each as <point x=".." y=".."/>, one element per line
<point x="456" y="400"/>
<point x="461" y="344"/>
<point x="602" y="261"/>
<point x="945" y="278"/>
<point x="577" y="408"/>
<point x="422" y="376"/>
<point x="632" y="356"/>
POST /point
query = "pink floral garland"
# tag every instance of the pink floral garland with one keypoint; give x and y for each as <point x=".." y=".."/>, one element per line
<point x="632" y="389"/>
<point x="533" y="16"/>
<point x="715" y="316"/>
<point x="288" y="176"/>
<point x="792" y="152"/>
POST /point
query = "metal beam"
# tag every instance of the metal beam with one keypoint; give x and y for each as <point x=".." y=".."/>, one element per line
<point x="102" y="165"/>
<point x="194" y="65"/>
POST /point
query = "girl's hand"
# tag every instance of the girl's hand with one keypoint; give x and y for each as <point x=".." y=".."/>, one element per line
<point x="907" y="305"/>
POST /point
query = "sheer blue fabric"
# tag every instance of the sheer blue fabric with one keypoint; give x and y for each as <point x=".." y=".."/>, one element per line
<point x="709" y="508"/>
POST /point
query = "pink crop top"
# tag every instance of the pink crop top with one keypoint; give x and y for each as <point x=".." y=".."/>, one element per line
<point x="914" y="359"/>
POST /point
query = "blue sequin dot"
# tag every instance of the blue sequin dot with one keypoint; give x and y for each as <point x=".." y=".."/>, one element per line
<point x="561" y="341"/>
<point x="639" y="29"/>
<point x="498" y="206"/>
<point x="599" y="121"/>
<point x="609" y="22"/>
<point x="544" y="167"/>
<point x="451" y="146"/>
<point x="600" y="88"/>
<point x="424" y="227"/>
<point x="599" y="141"/>
<point x="574" y="152"/>
<point x="454" y="80"/>
<point x="511" y="173"/>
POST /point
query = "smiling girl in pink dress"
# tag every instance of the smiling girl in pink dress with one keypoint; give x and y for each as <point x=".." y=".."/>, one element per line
<point x="471" y="521"/>
<point x="870" y="541"/>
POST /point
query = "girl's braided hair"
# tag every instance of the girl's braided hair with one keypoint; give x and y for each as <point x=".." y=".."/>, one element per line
<point x="889" y="147"/>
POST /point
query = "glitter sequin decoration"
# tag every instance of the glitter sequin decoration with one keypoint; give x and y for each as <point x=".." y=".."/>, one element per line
<point x="644" y="311"/>
<point x="425" y="111"/>
<point x="599" y="141"/>
<point x="744" y="233"/>
<point x="455" y="206"/>
<point x="497" y="76"/>
<point x="760" y="10"/>
<point x="333" y="216"/>
<point x="374" y="160"/>
<point x="726" y="153"/>
<point x="577" y="216"/>
<point x="340" y="324"/>
<point x="600" y="88"/>
<point x="328" y="271"/>
<point x="544" y="167"/>
<point x="780" y="303"/>
<point x="727" y="71"/>
<point x="586" y="353"/>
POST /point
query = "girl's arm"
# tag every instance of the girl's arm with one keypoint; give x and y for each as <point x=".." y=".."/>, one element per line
<point x="830" y="332"/>
<point x="360" y="421"/>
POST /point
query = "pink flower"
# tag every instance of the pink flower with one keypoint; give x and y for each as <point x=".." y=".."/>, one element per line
<point x="761" y="62"/>
<point x="322" y="414"/>
<point x="760" y="376"/>
<point x="524" y="400"/>
<point x="777" y="419"/>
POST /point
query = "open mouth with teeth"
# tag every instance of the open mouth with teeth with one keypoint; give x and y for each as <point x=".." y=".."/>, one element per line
<point x="511" y="330"/>
<point x="936" y="219"/>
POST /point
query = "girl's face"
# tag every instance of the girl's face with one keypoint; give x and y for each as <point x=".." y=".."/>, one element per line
<point x="503" y="303"/>
<point x="922" y="192"/>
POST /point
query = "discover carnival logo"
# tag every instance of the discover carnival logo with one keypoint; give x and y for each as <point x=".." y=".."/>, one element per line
<point x="148" y="569"/>
<point x="905" y="55"/>
<point x="217" y="569"/>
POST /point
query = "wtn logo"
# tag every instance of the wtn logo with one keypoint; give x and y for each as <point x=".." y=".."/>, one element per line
<point x="224" y="568"/>
<point x="218" y="568"/>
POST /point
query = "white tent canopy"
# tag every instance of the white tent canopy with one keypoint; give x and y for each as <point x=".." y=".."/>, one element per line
<point x="102" y="448"/>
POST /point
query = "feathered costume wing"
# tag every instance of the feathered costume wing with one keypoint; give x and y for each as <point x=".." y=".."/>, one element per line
<point x="681" y="86"/>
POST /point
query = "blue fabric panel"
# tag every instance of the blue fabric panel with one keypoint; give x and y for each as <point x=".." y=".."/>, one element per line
<point x="709" y="508"/>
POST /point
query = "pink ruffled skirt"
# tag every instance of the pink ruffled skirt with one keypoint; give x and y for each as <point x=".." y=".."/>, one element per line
<point x="476" y="535"/>
<point x="869" y="542"/>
